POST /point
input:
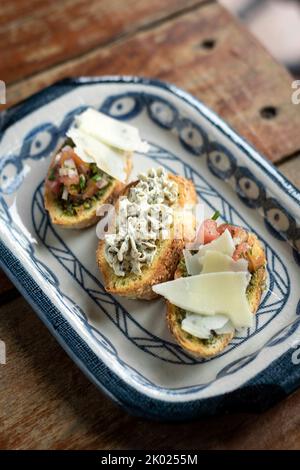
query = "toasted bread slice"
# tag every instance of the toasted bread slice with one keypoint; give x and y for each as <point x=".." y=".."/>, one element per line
<point x="84" y="217"/>
<point x="214" y="345"/>
<point x="164" y="263"/>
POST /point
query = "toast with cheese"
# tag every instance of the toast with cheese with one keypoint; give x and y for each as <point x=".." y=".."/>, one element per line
<point x="165" y="261"/>
<point x="79" y="214"/>
<point x="216" y="343"/>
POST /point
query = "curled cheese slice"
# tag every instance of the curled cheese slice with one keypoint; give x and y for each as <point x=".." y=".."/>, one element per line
<point x="221" y="293"/>
<point x="201" y="326"/>
<point x="91" y="150"/>
<point x="223" y="244"/>
<point x="110" y="131"/>
<point x="215" y="262"/>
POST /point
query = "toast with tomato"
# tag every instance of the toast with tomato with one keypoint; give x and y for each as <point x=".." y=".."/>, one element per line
<point x="248" y="247"/>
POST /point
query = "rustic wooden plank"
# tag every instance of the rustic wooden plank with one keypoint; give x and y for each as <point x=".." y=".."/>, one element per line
<point x="7" y="289"/>
<point x="52" y="32"/>
<point x="211" y="55"/>
<point x="19" y="9"/>
<point x="5" y="283"/>
<point x="47" y="403"/>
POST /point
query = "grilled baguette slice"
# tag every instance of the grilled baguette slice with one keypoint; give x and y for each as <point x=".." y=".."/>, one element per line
<point x="85" y="217"/>
<point x="164" y="263"/>
<point x="207" y="348"/>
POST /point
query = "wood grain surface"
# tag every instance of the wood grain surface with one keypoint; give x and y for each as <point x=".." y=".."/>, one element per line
<point x="48" y="33"/>
<point x="45" y="401"/>
<point x="234" y="76"/>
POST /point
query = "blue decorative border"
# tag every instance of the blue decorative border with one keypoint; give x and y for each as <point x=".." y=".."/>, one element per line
<point x="122" y="319"/>
<point x="259" y="393"/>
<point x="268" y="380"/>
<point x="195" y="140"/>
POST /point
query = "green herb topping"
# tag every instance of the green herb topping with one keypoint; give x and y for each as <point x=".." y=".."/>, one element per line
<point x="216" y="215"/>
<point x="52" y="176"/>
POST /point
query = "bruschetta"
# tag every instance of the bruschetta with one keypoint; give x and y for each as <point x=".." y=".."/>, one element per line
<point x="75" y="189"/>
<point x="132" y="262"/>
<point x="90" y="169"/>
<point x="236" y="261"/>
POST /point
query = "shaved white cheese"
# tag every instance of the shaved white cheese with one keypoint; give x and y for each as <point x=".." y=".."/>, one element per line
<point x="215" y="262"/>
<point x="211" y="294"/>
<point x="67" y="172"/>
<point x="195" y="326"/>
<point x="70" y="164"/>
<point x="212" y="262"/>
<point x="211" y="322"/>
<point x="201" y="326"/>
<point x="65" y="193"/>
<point x="227" y="328"/>
<point x="91" y="150"/>
<point x="214" y="257"/>
<point x="223" y="244"/>
<point x="111" y="131"/>
<point x="192" y="263"/>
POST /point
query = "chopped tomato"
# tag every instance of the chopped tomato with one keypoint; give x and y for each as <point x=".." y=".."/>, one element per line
<point x="241" y="251"/>
<point x="207" y="231"/>
<point x="69" y="180"/>
<point x="236" y="232"/>
<point x="83" y="168"/>
<point x="54" y="186"/>
<point x="68" y="153"/>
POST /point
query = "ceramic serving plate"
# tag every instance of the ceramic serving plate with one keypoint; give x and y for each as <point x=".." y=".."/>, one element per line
<point x="124" y="345"/>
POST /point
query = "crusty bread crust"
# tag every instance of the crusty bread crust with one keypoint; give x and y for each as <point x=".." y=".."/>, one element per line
<point x="214" y="346"/>
<point x="86" y="217"/>
<point x="165" y="261"/>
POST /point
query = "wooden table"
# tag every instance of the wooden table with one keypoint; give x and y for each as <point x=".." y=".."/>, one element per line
<point x="45" y="401"/>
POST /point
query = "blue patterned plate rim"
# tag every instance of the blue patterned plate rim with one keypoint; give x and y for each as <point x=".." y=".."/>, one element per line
<point x="28" y="105"/>
<point x="260" y="392"/>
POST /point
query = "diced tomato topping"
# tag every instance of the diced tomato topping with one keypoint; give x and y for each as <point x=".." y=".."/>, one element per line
<point x="69" y="180"/>
<point x="221" y="229"/>
<point x="54" y="186"/>
<point x="241" y="251"/>
<point x="67" y="153"/>
<point x="83" y="168"/>
<point x="235" y="232"/>
<point x="247" y="245"/>
<point x="208" y="231"/>
<point x="90" y="190"/>
<point x="56" y="180"/>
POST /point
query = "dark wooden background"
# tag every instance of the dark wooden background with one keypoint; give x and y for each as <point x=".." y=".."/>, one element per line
<point x="45" y="401"/>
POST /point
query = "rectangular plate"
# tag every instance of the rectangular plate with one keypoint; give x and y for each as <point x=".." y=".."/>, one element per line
<point x="124" y="345"/>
